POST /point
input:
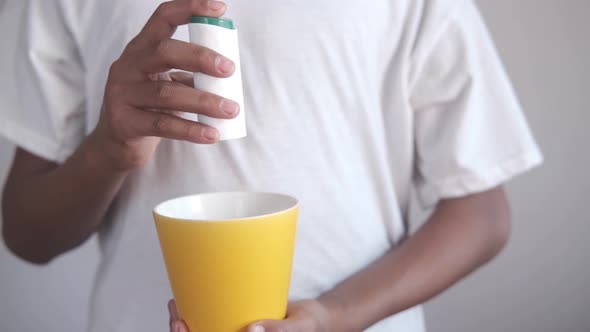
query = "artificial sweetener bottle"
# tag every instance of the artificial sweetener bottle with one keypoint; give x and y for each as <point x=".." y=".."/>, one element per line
<point x="220" y="35"/>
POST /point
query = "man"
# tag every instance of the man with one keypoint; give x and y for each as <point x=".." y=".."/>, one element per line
<point x="351" y="105"/>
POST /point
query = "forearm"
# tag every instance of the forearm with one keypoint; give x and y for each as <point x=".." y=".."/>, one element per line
<point x="460" y="236"/>
<point x="51" y="210"/>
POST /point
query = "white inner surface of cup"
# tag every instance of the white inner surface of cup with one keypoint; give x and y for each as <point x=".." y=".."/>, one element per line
<point x="225" y="206"/>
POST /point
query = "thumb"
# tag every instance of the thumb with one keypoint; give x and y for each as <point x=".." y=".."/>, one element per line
<point x="287" y="325"/>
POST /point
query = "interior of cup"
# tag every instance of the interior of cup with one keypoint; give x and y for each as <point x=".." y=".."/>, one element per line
<point x="225" y="206"/>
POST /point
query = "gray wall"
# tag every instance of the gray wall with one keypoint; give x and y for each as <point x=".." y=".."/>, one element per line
<point x="540" y="283"/>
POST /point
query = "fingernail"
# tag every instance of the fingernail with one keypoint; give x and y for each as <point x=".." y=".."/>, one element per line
<point x="224" y="65"/>
<point x="258" y="328"/>
<point x="211" y="134"/>
<point x="176" y="327"/>
<point x="229" y="107"/>
<point x="216" y="5"/>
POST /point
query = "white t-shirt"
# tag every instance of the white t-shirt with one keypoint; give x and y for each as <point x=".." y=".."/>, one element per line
<point x="350" y="106"/>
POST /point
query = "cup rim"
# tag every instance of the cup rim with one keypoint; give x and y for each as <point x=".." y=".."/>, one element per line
<point x="293" y="205"/>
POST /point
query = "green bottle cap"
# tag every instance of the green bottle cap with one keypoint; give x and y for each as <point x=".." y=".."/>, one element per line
<point x="220" y="22"/>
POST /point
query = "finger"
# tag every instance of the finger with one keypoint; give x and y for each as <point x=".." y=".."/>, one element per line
<point x="176" y="54"/>
<point x="153" y="123"/>
<point x="171" y="319"/>
<point x="183" y="78"/>
<point x="179" y="326"/>
<point x="169" y="15"/>
<point x="179" y="97"/>
<point x="172" y="310"/>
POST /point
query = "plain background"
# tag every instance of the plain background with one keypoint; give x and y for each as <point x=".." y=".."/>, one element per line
<point x="540" y="283"/>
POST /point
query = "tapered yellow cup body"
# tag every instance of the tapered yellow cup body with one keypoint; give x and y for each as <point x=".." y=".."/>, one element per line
<point x="229" y="257"/>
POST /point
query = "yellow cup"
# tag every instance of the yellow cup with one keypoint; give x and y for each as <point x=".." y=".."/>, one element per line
<point x="229" y="257"/>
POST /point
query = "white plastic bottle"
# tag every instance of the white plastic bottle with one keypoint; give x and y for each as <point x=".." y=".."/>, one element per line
<point x="220" y="35"/>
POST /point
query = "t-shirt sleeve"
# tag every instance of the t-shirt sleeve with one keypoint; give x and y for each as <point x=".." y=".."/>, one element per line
<point x="48" y="115"/>
<point x="470" y="132"/>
